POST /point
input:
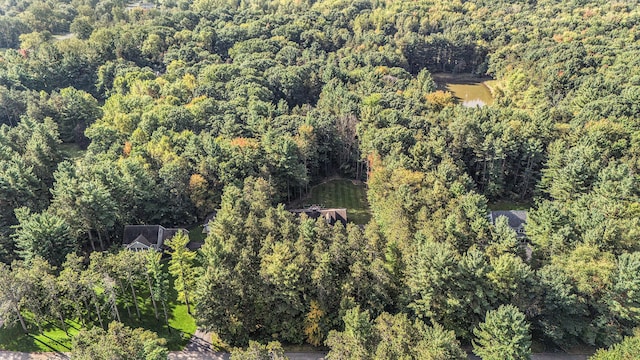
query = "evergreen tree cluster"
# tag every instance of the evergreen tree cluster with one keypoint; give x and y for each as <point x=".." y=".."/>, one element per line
<point x="113" y="114"/>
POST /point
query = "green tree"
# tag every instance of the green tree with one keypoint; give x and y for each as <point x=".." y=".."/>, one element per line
<point x="118" y="342"/>
<point x="13" y="289"/>
<point x="181" y="266"/>
<point x="257" y="351"/>
<point x="356" y="341"/>
<point x="436" y="343"/>
<point x="504" y="335"/>
<point x="624" y="296"/>
<point x="42" y="296"/>
<point x="45" y="235"/>
<point x="82" y="27"/>
<point x="627" y="349"/>
<point x="159" y="283"/>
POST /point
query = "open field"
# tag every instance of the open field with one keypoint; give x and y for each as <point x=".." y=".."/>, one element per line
<point x="343" y="193"/>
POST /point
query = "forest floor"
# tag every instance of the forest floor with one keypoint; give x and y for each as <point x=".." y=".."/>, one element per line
<point x="340" y="193"/>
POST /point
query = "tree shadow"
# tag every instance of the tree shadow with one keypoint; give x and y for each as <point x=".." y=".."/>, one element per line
<point x="72" y="325"/>
<point x="53" y="340"/>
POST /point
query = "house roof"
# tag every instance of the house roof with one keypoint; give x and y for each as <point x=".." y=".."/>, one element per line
<point x="142" y="240"/>
<point x="193" y="245"/>
<point x="330" y="215"/>
<point x="515" y="217"/>
<point x="210" y="217"/>
<point x="149" y="234"/>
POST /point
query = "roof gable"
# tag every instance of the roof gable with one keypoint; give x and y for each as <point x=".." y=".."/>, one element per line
<point x="330" y="215"/>
<point x="516" y="218"/>
<point x="150" y="232"/>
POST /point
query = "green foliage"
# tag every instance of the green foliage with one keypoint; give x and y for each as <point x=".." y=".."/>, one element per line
<point x="118" y="342"/>
<point x="257" y="351"/>
<point x="627" y="349"/>
<point x="44" y="235"/>
<point x="357" y="340"/>
<point x="181" y="265"/>
<point x="391" y="337"/>
<point x="504" y="334"/>
<point x="240" y="105"/>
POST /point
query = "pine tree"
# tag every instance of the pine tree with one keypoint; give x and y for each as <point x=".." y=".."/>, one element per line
<point x="504" y="335"/>
<point x="181" y="266"/>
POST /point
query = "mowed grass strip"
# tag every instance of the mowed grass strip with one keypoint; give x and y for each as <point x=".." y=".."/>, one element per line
<point x="343" y="194"/>
<point x="53" y="338"/>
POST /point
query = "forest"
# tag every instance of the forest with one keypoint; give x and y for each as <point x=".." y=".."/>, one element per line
<point x="114" y="113"/>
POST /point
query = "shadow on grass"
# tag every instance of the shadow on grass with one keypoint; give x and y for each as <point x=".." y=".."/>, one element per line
<point x="72" y="325"/>
<point x="53" y="340"/>
<point x="182" y="325"/>
<point x="47" y="347"/>
<point x="13" y="339"/>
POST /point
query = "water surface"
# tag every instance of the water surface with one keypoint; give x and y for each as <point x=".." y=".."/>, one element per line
<point x="468" y="90"/>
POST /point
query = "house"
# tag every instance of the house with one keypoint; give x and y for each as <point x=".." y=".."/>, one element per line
<point x="331" y="216"/>
<point x="145" y="237"/>
<point x="140" y="5"/>
<point x="207" y="220"/>
<point x="516" y="218"/>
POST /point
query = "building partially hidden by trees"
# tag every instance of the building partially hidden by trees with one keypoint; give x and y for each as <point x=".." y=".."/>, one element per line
<point x="148" y="237"/>
<point x="331" y="216"/>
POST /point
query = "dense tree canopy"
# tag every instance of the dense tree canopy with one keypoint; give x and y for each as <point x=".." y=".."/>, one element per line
<point x="112" y="114"/>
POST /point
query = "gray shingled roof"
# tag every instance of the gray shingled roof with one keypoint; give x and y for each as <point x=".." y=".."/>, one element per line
<point x="149" y="232"/>
<point x="142" y="240"/>
<point x="330" y="215"/>
<point x="153" y="234"/>
<point x="515" y="217"/>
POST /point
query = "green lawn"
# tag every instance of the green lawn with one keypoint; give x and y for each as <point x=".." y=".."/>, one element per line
<point x="343" y="194"/>
<point x="54" y="338"/>
<point x="196" y="234"/>
<point x="509" y="205"/>
<point x="71" y="151"/>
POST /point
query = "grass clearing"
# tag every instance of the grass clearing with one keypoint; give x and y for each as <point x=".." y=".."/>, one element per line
<point x="71" y="151"/>
<point x="343" y="193"/>
<point x="502" y="205"/>
<point x="196" y="234"/>
<point x="53" y="338"/>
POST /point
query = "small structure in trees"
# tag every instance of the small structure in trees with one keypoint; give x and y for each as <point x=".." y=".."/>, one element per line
<point x="146" y="237"/>
<point x="516" y="218"/>
<point x="207" y="220"/>
<point x="330" y="215"/>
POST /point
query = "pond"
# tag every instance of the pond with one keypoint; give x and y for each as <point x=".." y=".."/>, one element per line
<point x="469" y="90"/>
